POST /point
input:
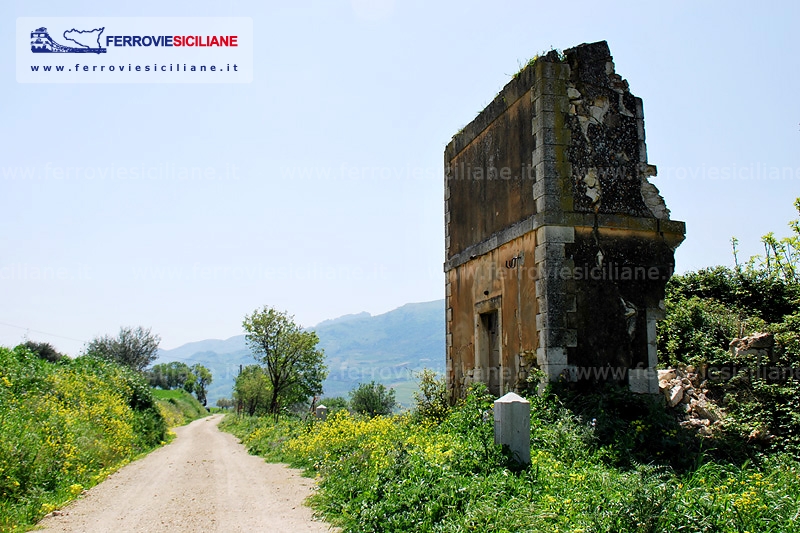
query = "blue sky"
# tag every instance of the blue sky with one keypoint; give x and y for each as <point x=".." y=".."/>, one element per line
<point x="326" y="195"/>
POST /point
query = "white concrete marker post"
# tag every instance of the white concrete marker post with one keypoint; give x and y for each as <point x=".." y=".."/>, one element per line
<point x="512" y="426"/>
<point x="321" y="412"/>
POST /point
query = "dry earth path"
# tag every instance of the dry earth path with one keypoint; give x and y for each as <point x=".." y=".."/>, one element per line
<point x="204" y="480"/>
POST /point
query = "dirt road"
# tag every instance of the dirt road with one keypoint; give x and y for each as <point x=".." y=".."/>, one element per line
<point x="203" y="481"/>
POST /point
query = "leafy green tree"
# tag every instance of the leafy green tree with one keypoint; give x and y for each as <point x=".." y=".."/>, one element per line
<point x="294" y="366"/>
<point x="171" y="375"/>
<point x="372" y="399"/>
<point x="188" y="385"/>
<point x="134" y="348"/>
<point x="750" y="291"/>
<point x="335" y="404"/>
<point x="225" y="403"/>
<point x="781" y="257"/>
<point x="699" y="330"/>
<point x="44" y="350"/>
<point x="708" y="308"/>
<point x="252" y="390"/>
<point x="432" y="400"/>
<point x="202" y="379"/>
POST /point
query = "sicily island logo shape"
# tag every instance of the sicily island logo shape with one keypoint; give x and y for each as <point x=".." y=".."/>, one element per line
<point x="87" y="41"/>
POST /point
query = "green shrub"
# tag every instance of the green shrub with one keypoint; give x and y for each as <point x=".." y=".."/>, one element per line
<point x="264" y="436"/>
<point x="65" y="426"/>
<point x="431" y="401"/>
<point x="178" y="407"/>
<point x="705" y="311"/>
<point x="698" y="331"/>
<point x="763" y="397"/>
<point x="44" y="350"/>
<point x="747" y="292"/>
<point x="400" y="474"/>
<point x="335" y="404"/>
<point x="372" y="399"/>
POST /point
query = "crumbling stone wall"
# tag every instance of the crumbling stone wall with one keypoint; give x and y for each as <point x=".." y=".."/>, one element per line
<point x="558" y="247"/>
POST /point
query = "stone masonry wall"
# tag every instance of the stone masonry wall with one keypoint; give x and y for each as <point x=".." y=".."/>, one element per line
<point x="553" y="225"/>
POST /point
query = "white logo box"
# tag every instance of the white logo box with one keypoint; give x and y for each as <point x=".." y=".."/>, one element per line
<point x="134" y="49"/>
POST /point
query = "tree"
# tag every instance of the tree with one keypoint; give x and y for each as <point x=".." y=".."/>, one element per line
<point x="781" y="257"/>
<point x="188" y="385"/>
<point x="432" y="401"/>
<point x="335" y="404"/>
<point x="225" y="403"/>
<point x="135" y="348"/>
<point x="202" y="379"/>
<point x="295" y="368"/>
<point x="171" y="375"/>
<point x="44" y="350"/>
<point x="707" y="308"/>
<point x="252" y="390"/>
<point x="372" y="399"/>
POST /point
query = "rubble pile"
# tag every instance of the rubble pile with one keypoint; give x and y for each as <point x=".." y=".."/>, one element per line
<point x="685" y="390"/>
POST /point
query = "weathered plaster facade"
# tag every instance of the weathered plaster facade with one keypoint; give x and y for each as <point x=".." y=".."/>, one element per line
<point x="558" y="248"/>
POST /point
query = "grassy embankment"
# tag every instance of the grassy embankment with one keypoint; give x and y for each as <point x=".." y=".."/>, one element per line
<point x="630" y="469"/>
<point x="64" y="427"/>
<point x="178" y="407"/>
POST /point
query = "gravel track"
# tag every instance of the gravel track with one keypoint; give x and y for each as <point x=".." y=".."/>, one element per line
<point x="204" y="480"/>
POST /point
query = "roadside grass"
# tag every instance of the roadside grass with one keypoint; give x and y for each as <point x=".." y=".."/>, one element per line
<point x="178" y="407"/>
<point x="264" y="436"/>
<point x="65" y="427"/>
<point x="406" y="473"/>
<point x="174" y="394"/>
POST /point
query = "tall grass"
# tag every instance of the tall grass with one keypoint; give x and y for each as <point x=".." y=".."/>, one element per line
<point x="63" y="427"/>
<point x="178" y="407"/>
<point x="403" y="474"/>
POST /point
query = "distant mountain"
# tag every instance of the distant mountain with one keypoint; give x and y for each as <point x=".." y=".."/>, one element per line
<point x="359" y="348"/>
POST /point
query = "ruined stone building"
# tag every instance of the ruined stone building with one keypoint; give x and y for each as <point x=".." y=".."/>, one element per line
<point x="558" y="248"/>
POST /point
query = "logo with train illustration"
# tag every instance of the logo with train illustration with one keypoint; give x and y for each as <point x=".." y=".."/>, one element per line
<point x="85" y="41"/>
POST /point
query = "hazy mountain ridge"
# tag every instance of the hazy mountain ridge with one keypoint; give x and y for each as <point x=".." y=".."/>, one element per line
<point x="359" y="348"/>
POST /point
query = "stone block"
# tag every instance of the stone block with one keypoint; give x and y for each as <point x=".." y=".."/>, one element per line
<point x="667" y="375"/>
<point x="538" y="189"/>
<point x="545" y="321"/>
<point x="321" y="412"/>
<point x="571" y="336"/>
<point x="561" y="71"/>
<point x="652" y="335"/>
<point x="652" y="355"/>
<point x="546" y="118"/>
<point x="541" y="357"/>
<point x="551" y="253"/>
<point x="512" y="426"/>
<point x="555" y="356"/>
<point x="547" y="234"/>
<point x="557" y="372"/>
<point x="550" y="86"/>
<point x="542" y="153"/>
<point x="675" y="395"/>
<point x="548" y="202"/>
<point x="643" y="380"/>
<point x="639" y="108"/>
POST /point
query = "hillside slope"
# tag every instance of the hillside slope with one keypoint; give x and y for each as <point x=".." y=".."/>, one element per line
<point x="178" y="407"/>
<point x="359" y="348"/>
